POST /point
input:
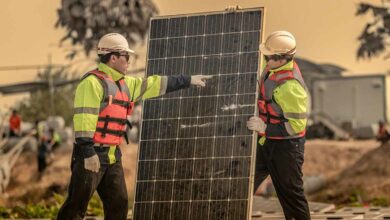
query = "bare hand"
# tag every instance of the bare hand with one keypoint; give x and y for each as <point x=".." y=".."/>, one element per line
<point x="199" y="80"/>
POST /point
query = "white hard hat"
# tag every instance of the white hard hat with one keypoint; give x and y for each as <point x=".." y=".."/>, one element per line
<point x="113" y="42"/>
<point x="279" y="42"/>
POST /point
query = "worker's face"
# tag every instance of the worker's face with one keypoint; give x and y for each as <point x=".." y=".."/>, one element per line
<point x="274" y="63"/>
<point x="120" y="62"/>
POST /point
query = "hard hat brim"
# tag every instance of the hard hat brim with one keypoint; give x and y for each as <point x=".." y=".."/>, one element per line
<point x="265" y="51"/>
<point x="130" y="51"/>
<point x="103" y="51"/>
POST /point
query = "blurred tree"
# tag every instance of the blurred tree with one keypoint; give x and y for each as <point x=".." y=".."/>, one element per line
<point x="87" y="20"/>
<point x="374" y="39"/>
<point x="54" y="101"/>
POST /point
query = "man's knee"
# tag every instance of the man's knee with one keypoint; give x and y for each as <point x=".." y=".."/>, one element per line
<point x="119" y="202"/>
<point x="117" y="210"/>
<point x="123" y="200"/>
<point x="125" y="203"/>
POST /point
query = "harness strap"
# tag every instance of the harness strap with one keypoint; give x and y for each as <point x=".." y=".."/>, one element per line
<point x="274" y="117"/>
<point x="104" y="130"/>
<point x="109" y="131"/>
<point x="110" y="119"/>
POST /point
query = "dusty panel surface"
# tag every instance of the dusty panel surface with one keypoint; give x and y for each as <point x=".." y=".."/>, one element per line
<point x="195" y="151"/>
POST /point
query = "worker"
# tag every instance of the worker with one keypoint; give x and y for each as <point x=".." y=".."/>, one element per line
<point x="383" y="134"/>
<point x="103" y="100"/>
<point x="14" y="124"/>
<point x="38" y="130"/>
<point x="42" y="154"/>
<point x="39" y="134"/>
<point x="284" y="105"/>
<point x="48" y="140"/>
<point x="54" y="139"/>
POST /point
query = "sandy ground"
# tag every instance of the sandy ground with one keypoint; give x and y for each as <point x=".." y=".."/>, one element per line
<point x="365" y="180"/>
<point x="322" y="157"/>
<point x="329" y="157"/>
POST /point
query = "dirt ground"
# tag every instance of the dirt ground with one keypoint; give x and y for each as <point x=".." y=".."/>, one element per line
<point x="329" y="157"/>
<point x="27" y="186"/>
<point x="365" y="180"/>
<point x="333" y="159"/>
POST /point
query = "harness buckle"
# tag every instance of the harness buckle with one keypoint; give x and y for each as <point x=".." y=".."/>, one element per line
<point x="106" y="119"/>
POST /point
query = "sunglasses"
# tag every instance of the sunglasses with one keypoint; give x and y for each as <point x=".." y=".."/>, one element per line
<point x="272" y="57"/>
<point x="126" y="56"/>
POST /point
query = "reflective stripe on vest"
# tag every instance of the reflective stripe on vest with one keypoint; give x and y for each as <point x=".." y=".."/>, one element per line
<point x="270" y="112"/>
<point x="114" y="109"/>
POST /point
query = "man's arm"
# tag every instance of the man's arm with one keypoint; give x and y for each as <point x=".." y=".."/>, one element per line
<point x="293" y="99"/>
<point x="153" y="86"/>
<point x="89" y="94"/>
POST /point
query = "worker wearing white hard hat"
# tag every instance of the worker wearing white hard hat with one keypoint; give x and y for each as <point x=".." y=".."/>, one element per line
<point x="279" y="43"/>
<point x="284" y="105"/>
<point x="103" y="101"/>
<point x="113" y="42"/>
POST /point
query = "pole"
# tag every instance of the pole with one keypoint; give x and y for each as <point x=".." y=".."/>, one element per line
<point x="51" y="87"/>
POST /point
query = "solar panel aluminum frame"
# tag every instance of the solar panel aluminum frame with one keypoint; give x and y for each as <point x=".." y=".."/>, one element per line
<point x="254" y="136"/>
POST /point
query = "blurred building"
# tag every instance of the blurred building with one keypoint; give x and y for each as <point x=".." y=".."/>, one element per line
<point x="345" y="106"/>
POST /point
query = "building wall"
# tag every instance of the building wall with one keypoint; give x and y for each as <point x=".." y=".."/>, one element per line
<point x="360" y="101"/>
<point x="387" y="98"/>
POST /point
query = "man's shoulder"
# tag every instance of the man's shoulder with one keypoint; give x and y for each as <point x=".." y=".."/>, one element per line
<point x="291" y="86"/>
<point x="89" y="82"/>
<point x="293" y="82"/>
<point x="132" y="79"/>
<point x="89" y="78"/>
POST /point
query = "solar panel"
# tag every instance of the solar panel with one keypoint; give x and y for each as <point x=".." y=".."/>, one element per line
<point x="195" y="155"/>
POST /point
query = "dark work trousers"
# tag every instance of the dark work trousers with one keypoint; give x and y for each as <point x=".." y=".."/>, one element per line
<point x="41" y="157"/>
<point x="283" y="160"/>
<point x="109" y="183"/>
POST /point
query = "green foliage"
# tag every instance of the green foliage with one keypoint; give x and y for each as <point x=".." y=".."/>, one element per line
<point x="59" y="199"/>
<point x="359" y="198"/>
<point x="95" y="206"/>
<point x="43" y="103"/>
<point x="374" y="37"/>
<point x="4" y="213"/>
<point x="87" y="21"/>
<point x="355" y="198"/>
<point x="381" y="201"/>
<point x="50" y="210"/>
<point x="35" y="211"/>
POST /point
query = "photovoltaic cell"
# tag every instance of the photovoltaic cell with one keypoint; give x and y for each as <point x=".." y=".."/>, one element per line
<point x="195" y="153"/>
<point x="195" y="25"/>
